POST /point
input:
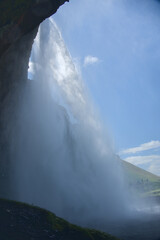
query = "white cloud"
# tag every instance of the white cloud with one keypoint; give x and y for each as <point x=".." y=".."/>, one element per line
<point x="143" y="147"/>
<point x="88" y="60"/>
<point x="138" y="160"/>
<point x="152" y="161"/>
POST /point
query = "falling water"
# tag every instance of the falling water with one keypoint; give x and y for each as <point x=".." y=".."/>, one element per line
<point x="64" y="159"/>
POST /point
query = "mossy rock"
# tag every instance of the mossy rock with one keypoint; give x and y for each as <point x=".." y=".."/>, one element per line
<point x="21" y="221"/>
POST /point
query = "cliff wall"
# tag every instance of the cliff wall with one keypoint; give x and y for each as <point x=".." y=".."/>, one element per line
<point x="19" y="21"/>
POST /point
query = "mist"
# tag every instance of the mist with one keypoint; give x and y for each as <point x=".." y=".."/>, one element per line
<point x="62" y="157"/>
<point x="125" y="36"/>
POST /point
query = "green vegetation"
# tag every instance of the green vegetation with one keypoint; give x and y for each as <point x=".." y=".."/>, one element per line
<point x="136" y="173"/>
<point x="22" y="221"/>
<point x="153" y="193"/>
<point x="71" y="231"/>
<point x="145" y="183"/>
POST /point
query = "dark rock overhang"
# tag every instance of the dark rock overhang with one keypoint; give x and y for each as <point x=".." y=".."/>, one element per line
<point x="17" y="18"/>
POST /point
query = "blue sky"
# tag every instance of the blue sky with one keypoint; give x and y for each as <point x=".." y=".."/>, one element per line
<point x="115" y="45"/>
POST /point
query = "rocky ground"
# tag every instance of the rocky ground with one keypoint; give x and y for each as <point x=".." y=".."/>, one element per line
<point x="20" y="221"/>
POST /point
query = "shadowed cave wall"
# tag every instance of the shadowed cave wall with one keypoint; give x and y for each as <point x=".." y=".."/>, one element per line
<point x="19" y="21"/>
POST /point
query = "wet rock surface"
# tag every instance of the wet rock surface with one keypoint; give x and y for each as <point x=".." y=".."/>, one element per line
<point x="21" y="221"/>
<point x="18" y="18"/>
<point x="19" y="21"/>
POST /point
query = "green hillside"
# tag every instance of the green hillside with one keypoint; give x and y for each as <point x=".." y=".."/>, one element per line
<point x="135" y="173"/>
<point x="21" y="221"/>
<point x="142" y="181"/>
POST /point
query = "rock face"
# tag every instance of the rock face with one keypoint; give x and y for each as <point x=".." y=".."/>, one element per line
<point x="20" y="17"/>
<point x="22" y="221"/>
<point x="19" y="21"/>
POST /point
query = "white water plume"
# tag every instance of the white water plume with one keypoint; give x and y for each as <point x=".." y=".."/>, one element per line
<point x="65" y="162"/>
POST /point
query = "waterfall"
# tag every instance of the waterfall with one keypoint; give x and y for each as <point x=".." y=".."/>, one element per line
<point x="64" y="160"/>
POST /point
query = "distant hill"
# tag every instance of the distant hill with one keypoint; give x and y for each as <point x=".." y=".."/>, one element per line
<point x="135" y="173"/>
<point x="142" y="181"/>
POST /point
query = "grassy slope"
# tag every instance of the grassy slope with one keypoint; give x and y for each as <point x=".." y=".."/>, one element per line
<point x="136" y="173"/>
<point x="145" y="182"/>
<point x="21" y="221"/>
